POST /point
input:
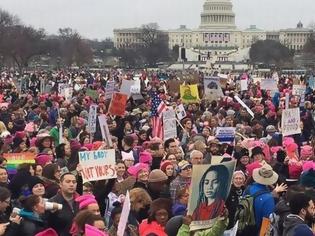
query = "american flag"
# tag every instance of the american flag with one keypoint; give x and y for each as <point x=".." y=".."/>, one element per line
<point x="157" y="108"/>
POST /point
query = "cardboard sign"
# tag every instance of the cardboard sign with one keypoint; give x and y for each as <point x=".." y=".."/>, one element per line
<point x="15" y="159"/>
<point x="136" y="88"/>
<point x="204" y="215"/>
<point x="180" y="112"/>
<point x="225" y="134"/>
<point x="212" y="88"/>
<point x="118" y="104"/>
<point x="244" y="84"/>
<point x="98" y="165"/>
<point x="104" y="130"/>
<point x="298" y="89"/>
<point x="92" y="93"/>
<point x="169" y="124"/>
<point x="189" y="93"/>
<point x="124" y="216"/>
<point x="92" y="119"/>
<point x="290" y="123"/>
<point x="110" y="89"/>
<point x="268" y="84"/>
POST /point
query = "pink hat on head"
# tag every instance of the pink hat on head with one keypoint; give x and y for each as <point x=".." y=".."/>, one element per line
<point x="89" y="146"/>
<point x="145" y="157"/>
<point x="85" y="200"/>
<point x="275" y="149"/>
<point x="291" y="147"/>
<point x="47" y="232"/>
<point x="134" y="170"/>
<point x="287" y="141"/>
<point x="308" y="165"/>
<point x="43" y="159"/>
<point x="29" y="127"/>
<point x="306" y="151"/>
<point x="93" y="231"/>
<point x="252" y="166"/>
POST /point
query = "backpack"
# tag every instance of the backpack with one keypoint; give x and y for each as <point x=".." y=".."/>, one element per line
<point x="274" y="225"/>
<point x="245" y="214"/>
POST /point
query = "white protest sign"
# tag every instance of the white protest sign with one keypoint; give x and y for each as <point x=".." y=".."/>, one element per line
<point x="180" y="112"/>
<point x="98" y="165"/>
<point x="104" y="130"/>
<point x="231" y="232"/>
<point x="212" y="88"/>
<point x="61" y="89"/>
<point x="169" y="124"/>
<point x="244" y="84"/>
<point x="68" y="93"/>
<point x="126" y="86"/>
<point x="244" y="105"/>
<point x="298" y="89"/>
<point x="225" y="134"/>
<point x="92" y="118"/>
<point x="124" y="216"/>
<point x="268" y="84"/>
<point x="290" y="123"/>
<point x="136" y="88"/>
<point x="60" y="134"/>
<point x="110" y="89"/>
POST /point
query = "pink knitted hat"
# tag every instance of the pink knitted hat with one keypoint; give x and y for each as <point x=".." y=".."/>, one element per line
<point x="306" y="151"/>
<point x="43" y="159"/>
<point x="145" y="157"/>
<point x="308" y="165"/>
<point x="93" y="231"/>
<point x="47" y="232"/>
<point x="134" y="170"/>
<point x="291" y="147"/>
<point x="85" y="200"/>
<point x="287" y="141"/>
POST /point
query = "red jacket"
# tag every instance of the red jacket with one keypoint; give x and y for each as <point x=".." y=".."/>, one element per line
<point x="145" y="228"/>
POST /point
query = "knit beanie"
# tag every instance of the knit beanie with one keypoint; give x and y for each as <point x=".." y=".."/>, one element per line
<point x="156" y="176"/>
<point x="145" y="157"/>
<point x="33" y="181"/>
<point x="165" y="164"/>
<point x="43" y="159"/>
<point x="307" y="179"/>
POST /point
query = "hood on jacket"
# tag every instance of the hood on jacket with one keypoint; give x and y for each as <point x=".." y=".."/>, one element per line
<point x="290" y="222"/>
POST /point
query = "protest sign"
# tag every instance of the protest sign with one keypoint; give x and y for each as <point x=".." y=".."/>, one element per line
<point x="126" y="86"/>
<point x="311" y="82"/>
<point x="136" y="88"/>
<point x="169" y="124"/>
<point x="15" y="159"/>
<point x="287" y="100"/>
<point x="290" y="122"/>
<point x="92" y="93"/>
<point x="92" y="119"/>
<point x="269" y="84"/>
<point x="265" y="227"/>
<point x="124" y="216"/>
<point x="244" y="85"/>
<point x="204" y="215"/>
<point x="298" y="89"/>
<point x="118" y="104"/>
<point x="212" y="88"/>
<point x="109" y="90"/>
<point x="189" y="93"/>
<point x="225" y="134"/>
<point x="104" y="130"/>
<point x="244" y="105"/>
<point x="231" y="232"/>
<point x="180" y="112"/>
<point x="98" y="165"/>
<point x="61" y="89"/>
<point x="68" y="93"/>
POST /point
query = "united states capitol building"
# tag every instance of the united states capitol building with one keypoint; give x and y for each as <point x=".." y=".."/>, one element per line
<point x="218" y="35"/>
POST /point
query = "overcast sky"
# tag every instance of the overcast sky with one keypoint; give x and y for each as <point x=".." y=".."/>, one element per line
<point x="97" y="18"/>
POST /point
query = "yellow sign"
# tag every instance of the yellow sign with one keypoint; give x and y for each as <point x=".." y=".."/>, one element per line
<point x="189" y="93"/>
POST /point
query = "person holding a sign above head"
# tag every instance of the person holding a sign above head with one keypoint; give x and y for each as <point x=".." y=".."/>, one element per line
<point x="213" y="189"/>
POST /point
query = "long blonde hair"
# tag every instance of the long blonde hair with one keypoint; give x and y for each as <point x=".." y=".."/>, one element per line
<point x="2" y="127"/>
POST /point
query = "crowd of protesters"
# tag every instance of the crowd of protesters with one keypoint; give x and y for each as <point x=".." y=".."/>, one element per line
<point x="50" y="198"/>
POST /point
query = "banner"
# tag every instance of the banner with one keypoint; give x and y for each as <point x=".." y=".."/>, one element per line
<point x="244" y="85"/>
<point x="169" y="124"/>
<point x="92" y="119"/>
<point x="269" y="84"/>
<point x="98" y="165"/>
<point x="180" y="112"/>
<point x="118" y="104"/>
<point x="210" y="187"/>
<point x="189" y="93"/>
<point x="110" y="89"/>
<point x="104" y="130"/>
<point x="225" y="134"/>
<point x="15" y="159"/>
<point x="298" y="90"/>
<point x="213" y="90"/>
<point x="290" y="122"/>
<point x="124" y="216"/>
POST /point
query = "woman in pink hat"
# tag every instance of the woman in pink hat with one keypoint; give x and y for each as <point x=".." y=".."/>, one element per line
<point x="140" y="171"/>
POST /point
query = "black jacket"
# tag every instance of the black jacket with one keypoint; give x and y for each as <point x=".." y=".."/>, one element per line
<point x="232" y="203"/>
<point x="61" y="221"/>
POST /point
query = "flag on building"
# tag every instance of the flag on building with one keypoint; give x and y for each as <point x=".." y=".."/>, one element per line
<point x="157" y="108"/>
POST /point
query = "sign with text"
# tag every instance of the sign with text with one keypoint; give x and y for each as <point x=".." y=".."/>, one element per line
<point x="180" y="112"/>
<point x="298" y="90"/>
<point x="268" y="84"/>
<point x="225" y="134"/>
<point x="104" y="130"/>
<point x="169" y="124"/>
<point x="212" y="88"/>
<point x="98" y="165"/>
<point x="15" y="159"/>
<point x="189" y="93"/>
<point x="110" y="89"/>
<point x="118" y="104"/>
<point x="290" y="123"/>
<point x="92" y="118"/>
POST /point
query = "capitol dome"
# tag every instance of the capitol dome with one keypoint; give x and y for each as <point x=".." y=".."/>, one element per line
<point x="217" y="14"/>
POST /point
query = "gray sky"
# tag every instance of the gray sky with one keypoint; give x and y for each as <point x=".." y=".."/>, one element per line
<point x="97" y="18"/>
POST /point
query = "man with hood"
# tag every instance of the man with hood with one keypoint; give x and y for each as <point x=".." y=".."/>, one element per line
<point x="302" y="210"/>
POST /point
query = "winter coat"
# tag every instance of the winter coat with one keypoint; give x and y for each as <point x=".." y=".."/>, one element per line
<point x="61" y="220"/>
<point x="232" y="203"/>
<point x="294" y="225"/>
<point x="179" y="209"/>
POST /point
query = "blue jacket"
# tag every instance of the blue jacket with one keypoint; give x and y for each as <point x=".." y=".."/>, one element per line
<point x="264" y="204"/>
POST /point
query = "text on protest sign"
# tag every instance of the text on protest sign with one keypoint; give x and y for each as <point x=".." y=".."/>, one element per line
<point x="225" y="134"/>
<point x="109" y="90"/>
<point x="212" y="88"/>
<point x="92" y="118"/>
<point x="169" y="124"/>
<point x="98" y="165"/>
<point x="298" y="90"/>
<point x="268" y="84"/>
<point x="290" y="123"/>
